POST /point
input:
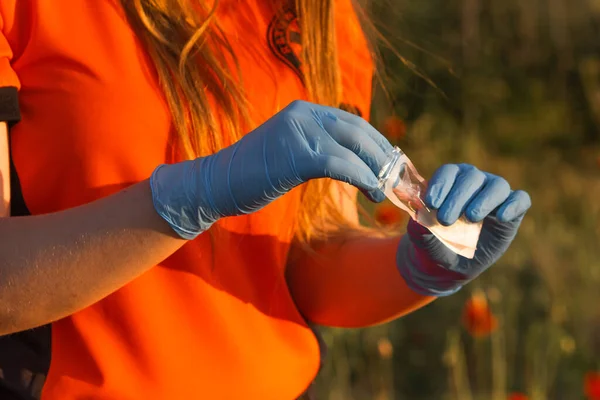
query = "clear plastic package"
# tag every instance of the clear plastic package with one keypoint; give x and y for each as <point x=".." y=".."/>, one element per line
<point x="405" y="188"/>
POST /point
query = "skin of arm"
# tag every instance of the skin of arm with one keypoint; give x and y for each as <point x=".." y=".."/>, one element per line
<point x="56" y="264"/>
<point x="352" y="281"/>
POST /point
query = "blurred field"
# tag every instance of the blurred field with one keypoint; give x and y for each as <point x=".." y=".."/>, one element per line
<point x="518" y="94"/>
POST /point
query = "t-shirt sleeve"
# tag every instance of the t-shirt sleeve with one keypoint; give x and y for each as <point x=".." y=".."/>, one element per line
<point x="9" y="82"/>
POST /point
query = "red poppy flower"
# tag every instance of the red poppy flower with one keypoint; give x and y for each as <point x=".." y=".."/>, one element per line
<point x="388" y="214"/>
<point x="517" y="396"/>
<point x="478" y="319"/>
<point x="393" y="128"/>
<point x="591" y="384"/>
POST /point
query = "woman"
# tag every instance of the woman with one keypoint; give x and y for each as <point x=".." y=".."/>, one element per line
<point x="173" y="279"/>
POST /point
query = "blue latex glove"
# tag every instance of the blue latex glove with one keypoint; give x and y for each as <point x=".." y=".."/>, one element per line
<point x="304" y="141"/>
<point x="427" y="265"/>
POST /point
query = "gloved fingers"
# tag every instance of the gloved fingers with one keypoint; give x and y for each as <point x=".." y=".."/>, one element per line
<point x="440" y="184"/>
<point x="357" y="141"/>
<point x="432" y="249"/>
<point x="515" y="206"/>
<point x="467" y="185"/>
<point x="495" y="191"/>
<point x="362" y="124"/>
<point x="327" y="155"/>
<point x="352" y="170"/>
<point x="355" y="167"/>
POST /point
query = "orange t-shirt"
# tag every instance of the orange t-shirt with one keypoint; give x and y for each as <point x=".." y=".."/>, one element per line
<point x="215" y="320"/>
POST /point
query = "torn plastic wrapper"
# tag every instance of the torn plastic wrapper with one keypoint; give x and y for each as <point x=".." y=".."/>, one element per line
<point x="404" y="187"/>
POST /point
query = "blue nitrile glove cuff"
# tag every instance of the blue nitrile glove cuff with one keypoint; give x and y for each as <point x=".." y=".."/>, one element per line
<point x="174" y="199"/>
<point x="420" y="279"/>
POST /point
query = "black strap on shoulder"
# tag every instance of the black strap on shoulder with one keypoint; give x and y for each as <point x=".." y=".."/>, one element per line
<point x="9" y="105"/>
<point x="24" y="356"/>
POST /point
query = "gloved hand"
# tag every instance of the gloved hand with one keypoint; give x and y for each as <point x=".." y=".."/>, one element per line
<point x="427" y="265"/>
<point x="303" y="141"/>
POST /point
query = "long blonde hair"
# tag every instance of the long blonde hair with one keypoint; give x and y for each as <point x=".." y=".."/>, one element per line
<point x="176" y="31"/>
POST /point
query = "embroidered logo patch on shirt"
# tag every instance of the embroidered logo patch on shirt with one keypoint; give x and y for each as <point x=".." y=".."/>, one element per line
<point x="284" y="40"/>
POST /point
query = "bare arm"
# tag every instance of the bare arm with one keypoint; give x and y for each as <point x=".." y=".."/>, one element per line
<point x="56" y="264"/>
<point x="351" y="281"/>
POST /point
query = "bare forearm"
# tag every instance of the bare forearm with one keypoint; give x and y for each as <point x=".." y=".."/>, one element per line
<point x="352" y="283"/>
<point x="56" y="264"/>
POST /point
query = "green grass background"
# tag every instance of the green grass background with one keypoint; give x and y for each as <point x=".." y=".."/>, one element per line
<point x="516" y="91"/>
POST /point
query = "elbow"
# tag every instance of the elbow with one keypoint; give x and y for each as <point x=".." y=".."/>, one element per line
<point x="324" y="310"/>
<point x="348" y="317"/>
<point x="314" y="314"/>
<point x="356" y="309"/>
